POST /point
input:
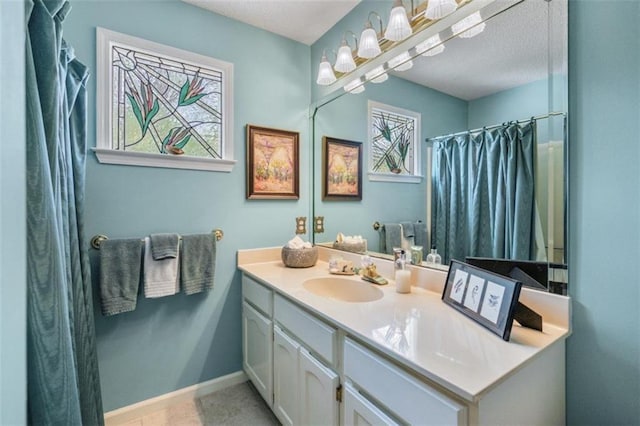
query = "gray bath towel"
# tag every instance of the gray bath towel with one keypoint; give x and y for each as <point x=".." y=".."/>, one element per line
<point x="392" y="237"/>
<point x="119" y="275"/>
<point x="198" y="262"/>
<point x="164" y="246"/>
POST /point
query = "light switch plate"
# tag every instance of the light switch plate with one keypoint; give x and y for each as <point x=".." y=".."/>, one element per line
<point x="301" y="225"/>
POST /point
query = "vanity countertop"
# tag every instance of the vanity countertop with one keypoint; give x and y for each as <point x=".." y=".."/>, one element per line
<point x="417" y="330"/>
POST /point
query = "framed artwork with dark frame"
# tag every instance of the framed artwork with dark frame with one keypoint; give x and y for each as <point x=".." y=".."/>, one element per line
<point x="341" y="169"/>
<point x="487" y="298"/>
<point x="273" y="164"/>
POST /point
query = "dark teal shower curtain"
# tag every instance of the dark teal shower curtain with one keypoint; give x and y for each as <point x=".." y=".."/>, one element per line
<point x="63" y="380"/>
<point x="483" y="193"/>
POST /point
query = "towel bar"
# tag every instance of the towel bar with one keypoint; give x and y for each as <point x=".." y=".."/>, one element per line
<point x="98" y="239"/>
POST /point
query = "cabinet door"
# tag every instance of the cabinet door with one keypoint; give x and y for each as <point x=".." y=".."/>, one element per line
<point x="257" y="351"/>
<point x="285" y="378"/>
<point x="318" y="404"/>
<point x="360" y="411"/>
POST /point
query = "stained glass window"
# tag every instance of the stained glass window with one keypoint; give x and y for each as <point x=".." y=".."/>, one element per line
<point x="394" y="152"/>
<point x="163" y="101"/>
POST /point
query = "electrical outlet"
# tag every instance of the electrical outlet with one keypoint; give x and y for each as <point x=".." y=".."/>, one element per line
<point x="318" y="224"/>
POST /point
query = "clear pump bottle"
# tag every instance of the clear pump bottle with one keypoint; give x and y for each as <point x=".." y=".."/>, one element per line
<point x="434" y="257"/>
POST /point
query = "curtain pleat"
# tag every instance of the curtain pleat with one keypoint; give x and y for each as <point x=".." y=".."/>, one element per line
<point x="63" y="378"/>
<point x="483" y="193"/>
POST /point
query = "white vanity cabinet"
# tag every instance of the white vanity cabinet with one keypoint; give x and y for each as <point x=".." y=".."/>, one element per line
<point x="285" y="377"/>
<point x="306" y="384"/>
<point x="257" y="336"/>
<point x="298" y="350"/>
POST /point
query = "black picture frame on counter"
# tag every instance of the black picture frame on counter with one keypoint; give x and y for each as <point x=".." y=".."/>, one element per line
<point x="487" y="298"/>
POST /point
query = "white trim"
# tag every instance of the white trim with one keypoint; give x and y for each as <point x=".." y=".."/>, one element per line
<point x="105" y="39"/>
<point x="416" y="177"/>
<point x="143" y="408"/>
<point x="147" y="159"/>
<point x="389" y="177"/>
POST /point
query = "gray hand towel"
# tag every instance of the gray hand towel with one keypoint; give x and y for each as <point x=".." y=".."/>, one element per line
<point x="198" y="262"/>
<point x="382" y="239"/>
<point x="119" y="275"/>
<point x="392" y="236"/>
<point x="421" y="237"/>
<point x="164" y="246"/>
<point x="407" y="229"/>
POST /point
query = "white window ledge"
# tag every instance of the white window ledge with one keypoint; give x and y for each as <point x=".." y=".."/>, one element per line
<point x="389" y="177"/>
<point x="130" y="158"/>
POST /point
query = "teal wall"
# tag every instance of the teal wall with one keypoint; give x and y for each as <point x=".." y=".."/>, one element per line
<point x="346" y="118"/>
<point x="173" y="342"/>
<point x="603" y="354"/>
<point x="514" y="104"/>
<point x="13" y="290"/>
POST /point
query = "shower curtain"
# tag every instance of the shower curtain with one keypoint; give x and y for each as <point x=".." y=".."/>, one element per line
<point x="62" y="377"/>
<point x="483" y="193"/>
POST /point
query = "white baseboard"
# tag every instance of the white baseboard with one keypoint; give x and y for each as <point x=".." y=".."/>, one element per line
<point x="142" y="408"/>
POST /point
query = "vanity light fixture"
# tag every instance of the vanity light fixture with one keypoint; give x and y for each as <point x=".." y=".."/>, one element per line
<point x="325" y="72"/>
<point x="402" y="62"/>
<point x="354" y="86"/>
<point x="344" y="61"/>
<point x="431" y="46"/>
<point x="437" y="9"/>
<point x="369" y="46"/>
<point x="469" y="27"/>
<point x="377" y="75"/>
<point x="402" y="24"/>
<point x="398" y="27"/>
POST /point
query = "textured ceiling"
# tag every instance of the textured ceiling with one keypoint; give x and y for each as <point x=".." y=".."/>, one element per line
<point x="511" y="51"/>
<point x="301" y="20"/>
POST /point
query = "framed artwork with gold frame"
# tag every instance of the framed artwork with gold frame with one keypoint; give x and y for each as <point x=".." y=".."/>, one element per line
<point x="273" y="163"/>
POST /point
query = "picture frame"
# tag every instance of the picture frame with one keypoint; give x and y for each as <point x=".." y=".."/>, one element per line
<point x="341" y="169"/>
<point x="273" y="164"/>
<point x="487" y="298"/>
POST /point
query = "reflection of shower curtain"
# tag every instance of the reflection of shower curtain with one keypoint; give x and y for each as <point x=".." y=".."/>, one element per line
<point x="483" y="193"/>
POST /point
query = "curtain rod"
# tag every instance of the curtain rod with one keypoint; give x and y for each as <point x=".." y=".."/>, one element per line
<point x="526" y="120"/>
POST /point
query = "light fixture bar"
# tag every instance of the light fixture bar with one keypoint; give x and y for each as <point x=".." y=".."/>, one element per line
<point x="422" y="29"/>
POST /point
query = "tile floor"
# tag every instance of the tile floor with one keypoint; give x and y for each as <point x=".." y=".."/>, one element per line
<point x="239" y="405"/>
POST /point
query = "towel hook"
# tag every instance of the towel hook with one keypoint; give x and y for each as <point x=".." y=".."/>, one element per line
<point x="376" y="225"/>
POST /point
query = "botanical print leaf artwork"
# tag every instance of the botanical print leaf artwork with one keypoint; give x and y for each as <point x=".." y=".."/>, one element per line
<point x="342" y="169"/>
<point x="393" y="142"/>
<point x="274" y="164"/>
<point x="162" y="105"/>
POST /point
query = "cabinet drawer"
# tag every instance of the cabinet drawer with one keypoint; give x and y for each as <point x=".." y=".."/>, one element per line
<point x="258" y="295"/>
<point x="312" y="332"/>
<point x="410" y="399"/>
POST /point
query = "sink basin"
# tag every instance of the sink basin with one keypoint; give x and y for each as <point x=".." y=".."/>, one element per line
<point x="344" y="289"/>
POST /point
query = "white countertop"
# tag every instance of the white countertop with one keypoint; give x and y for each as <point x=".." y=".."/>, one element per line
<point x="418" y="330"/>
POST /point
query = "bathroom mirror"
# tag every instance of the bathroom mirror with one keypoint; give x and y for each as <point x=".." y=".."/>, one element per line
<point x="514" y="70"/>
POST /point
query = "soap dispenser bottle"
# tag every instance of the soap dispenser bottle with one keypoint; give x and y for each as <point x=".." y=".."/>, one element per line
<point x="434" y="257"/>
